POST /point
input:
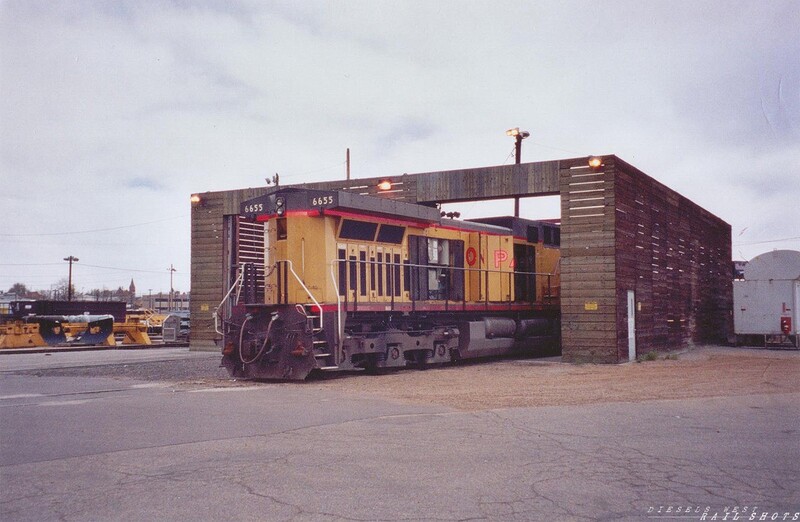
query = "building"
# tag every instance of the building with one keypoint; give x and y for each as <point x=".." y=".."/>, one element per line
<point x="162" y="303"/>
<point x="643" y="268"/>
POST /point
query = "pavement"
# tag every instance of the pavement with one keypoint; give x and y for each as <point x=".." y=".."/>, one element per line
<point x="79" y="448"/>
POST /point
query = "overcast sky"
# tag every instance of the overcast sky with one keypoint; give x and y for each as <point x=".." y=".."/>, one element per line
<point x="113" y="113"/>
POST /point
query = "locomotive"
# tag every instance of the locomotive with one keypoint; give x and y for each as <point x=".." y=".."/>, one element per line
<point x="355" y="281"/>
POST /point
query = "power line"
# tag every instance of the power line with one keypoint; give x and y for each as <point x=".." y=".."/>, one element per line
<point x="93" y="230"/>
<point x="768" y="241"/>
<point x="125" y="269"/>
<point x="30" y="264"/>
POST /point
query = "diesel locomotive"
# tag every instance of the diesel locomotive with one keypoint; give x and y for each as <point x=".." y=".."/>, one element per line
<point x="354" y="281"/>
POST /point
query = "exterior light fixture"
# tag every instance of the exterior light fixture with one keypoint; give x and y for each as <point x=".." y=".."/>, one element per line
<point x="385" y="185"/>
<point x="195" y="199"/>
<point x="595" y="162"/>
<point x="518" y="136"/>
<point x="516" y="132"/>
<point x="280" y="206"/>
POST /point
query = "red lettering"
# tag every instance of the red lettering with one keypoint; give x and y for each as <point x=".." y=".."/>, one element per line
<point x="499" y="257"/>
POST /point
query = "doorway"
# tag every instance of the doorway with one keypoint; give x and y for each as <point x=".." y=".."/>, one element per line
<point x="631" y="326"/>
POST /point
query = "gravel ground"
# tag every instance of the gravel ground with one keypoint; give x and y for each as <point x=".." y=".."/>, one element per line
<point x="701" y="372"/>
<point x="178" y="371"/>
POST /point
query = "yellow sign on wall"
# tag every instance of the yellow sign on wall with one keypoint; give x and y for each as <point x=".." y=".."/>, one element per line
<point x="590" y="305"/>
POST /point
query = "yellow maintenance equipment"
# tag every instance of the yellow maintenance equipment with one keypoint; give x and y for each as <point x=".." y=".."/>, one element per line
<point x="39" y="331"/>
<point x="19" y="334"/>
<point x="133" y="332"/>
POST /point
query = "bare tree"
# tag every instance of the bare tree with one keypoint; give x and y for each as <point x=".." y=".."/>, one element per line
<point x="19" y="289"/>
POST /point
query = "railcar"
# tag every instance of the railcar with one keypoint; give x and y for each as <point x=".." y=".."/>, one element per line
<point x="362" y="282"/>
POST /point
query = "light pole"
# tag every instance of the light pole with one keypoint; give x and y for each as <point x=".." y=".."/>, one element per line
<point x="71" y="259"/>
<point x="518" y="137"/>
<point x="172" y="271"/>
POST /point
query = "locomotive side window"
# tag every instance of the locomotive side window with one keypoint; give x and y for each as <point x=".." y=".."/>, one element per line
<point x="391" y="234"/>
<point x="533" y="234"/>
<point x="552" y="236"/>
<point x="358" y="230"/>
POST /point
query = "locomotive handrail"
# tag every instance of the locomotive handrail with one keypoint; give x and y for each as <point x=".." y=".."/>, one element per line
<point x="546" y="296"/>
<point x="238" y="281"/>
<point x="308" y="292"/>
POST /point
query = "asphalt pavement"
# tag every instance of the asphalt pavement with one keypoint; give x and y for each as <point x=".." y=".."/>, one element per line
<point x="79" y="447"/>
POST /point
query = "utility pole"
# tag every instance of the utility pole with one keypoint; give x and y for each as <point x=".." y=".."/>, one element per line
<point x="71" y="259"/>
<point x="348" y="163"/>
<point x="172" y="271"/>
<point x="518" y="136"/>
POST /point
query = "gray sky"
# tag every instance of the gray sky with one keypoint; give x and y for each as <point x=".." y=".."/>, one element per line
<point x="113" y="113"/>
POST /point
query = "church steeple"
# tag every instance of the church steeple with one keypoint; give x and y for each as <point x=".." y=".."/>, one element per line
<point x="132" y="288"/>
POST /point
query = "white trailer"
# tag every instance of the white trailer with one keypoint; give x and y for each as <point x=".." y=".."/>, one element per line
<point x="766" y="303"/>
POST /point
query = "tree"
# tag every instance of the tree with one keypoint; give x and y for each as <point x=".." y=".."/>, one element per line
<point x="61" y="289"/>
<point x="19" y="289"/>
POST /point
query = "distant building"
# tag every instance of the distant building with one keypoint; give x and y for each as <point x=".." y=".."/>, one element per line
<point x="5" y="300"/>
<point x="160" y="302"/>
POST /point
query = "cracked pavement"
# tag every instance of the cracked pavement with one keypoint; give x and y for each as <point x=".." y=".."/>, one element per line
<point x="98" y="448"/>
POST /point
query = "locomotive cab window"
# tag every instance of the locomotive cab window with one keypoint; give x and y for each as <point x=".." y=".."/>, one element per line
<point x="280" y="225"/>
<point x="359" y="230"/>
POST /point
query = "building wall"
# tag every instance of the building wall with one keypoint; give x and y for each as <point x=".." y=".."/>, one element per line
<point x="208" y="258"/>
<point x="206" y="266"/>
<point x="676" y="257"/>
<point x="588" y="263"/>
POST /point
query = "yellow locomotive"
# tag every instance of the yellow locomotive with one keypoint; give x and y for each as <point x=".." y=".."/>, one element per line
<point x="352" y="281"/>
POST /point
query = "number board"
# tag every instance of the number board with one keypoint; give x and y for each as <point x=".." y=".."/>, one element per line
<point x="323" y="200"/>
<point x="253" y="207"/>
